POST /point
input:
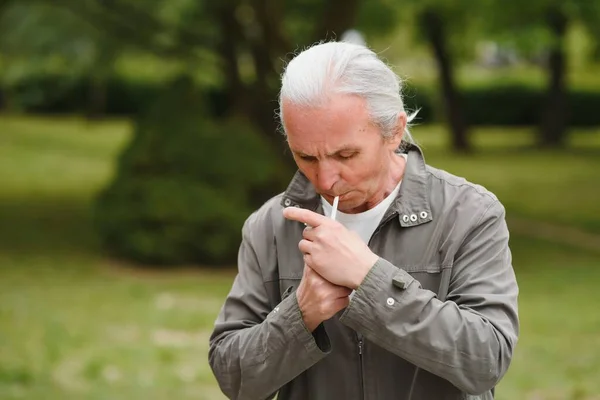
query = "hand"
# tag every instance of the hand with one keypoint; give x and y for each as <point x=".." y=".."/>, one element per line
<point x="332" y="251"/>
<point x="319" y="299"/>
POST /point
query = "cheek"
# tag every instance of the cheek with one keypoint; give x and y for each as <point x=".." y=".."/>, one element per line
<point x="361" y="175"/>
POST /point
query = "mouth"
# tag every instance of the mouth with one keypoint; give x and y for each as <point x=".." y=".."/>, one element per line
<point x="333" y="196"/>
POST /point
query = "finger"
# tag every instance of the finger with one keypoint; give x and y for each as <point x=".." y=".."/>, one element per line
<point x="309" y="233"/>
<point x="306" y="216"/>
<point x="309" y="262"/>
<point x="305" y="246"/>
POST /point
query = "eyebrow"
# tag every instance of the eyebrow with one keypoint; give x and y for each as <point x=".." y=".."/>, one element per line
<point x="337" y="152"/>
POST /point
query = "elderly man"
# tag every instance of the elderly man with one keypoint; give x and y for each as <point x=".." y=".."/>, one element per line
<point x="408" y="294"/>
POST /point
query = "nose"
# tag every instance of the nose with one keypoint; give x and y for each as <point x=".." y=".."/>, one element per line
<point x="327" y="176"/>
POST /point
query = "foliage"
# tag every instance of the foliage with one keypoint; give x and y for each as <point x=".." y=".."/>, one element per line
<point x="124" y="96"/>
<point x="32" y="43"/>
<point x="526" y="26"/>
<point x="523" y="106"/>
<point x="462" y="21"/>
<point x="513" y="104"/>
<point x="183" y="186"/>
<point x="38" y="39"/>
<point x="245" y="42"/>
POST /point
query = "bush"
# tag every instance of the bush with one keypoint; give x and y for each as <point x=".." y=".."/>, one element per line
<point x="497" y="105"/>
<point x="57" y="94"/>
<point x="183" y="185"/>
<point x="502" y="105"/>
<point x="523" y="106"/>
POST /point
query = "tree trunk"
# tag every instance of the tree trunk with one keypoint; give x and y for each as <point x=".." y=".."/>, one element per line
<point x="338" y="16"/>
<point x="3" y="93"/>
<point x="432" y="25"/>
<point x="98" y="80"/>
<point x="252" y="100"/>
<point x="230" y="38"/>
<point x="96" y="102"/>
<point x="554" y="114"/>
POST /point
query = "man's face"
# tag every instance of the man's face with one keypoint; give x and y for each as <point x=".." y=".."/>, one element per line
<point x="340" y="151"/>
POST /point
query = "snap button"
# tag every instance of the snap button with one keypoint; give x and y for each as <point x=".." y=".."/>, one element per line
<point x="413" y="217"/>
<point x="405" y="218"/>
<point x="287" y="202"/>
<point x="276" y="310"/>
<point x="390" y="301"/>
<point x="423" y="215"/>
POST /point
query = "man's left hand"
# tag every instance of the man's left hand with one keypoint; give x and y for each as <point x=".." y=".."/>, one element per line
<point x="335" y="253"/>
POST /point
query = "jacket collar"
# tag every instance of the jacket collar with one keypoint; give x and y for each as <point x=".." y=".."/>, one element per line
<point x="411" y="205"/>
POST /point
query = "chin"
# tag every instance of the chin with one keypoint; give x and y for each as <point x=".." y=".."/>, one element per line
<point x="349" y="204"/>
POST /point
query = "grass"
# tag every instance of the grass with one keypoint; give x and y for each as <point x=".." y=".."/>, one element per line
<point x="82" y="328"/>
<point x="561" y="187"/>
<point x="558" y="355"/>
<point x="75" y="324"/>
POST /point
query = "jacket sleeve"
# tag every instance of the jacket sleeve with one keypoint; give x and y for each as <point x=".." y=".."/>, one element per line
<point x="468" y="338"/>
<point x="255" y="350"/>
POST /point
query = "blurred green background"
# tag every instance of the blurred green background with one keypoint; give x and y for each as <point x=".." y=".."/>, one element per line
<point x="136" y="137"/>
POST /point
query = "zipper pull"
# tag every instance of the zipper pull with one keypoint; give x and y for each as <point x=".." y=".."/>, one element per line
<point x="360" y="347"/>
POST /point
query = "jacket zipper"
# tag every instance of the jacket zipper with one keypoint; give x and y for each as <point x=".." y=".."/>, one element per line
<point x="360" y="365"/>
<point x="358" y="335"/>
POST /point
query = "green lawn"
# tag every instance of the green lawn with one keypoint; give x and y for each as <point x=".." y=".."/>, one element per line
<point x="561" y="187"/>
<point x="74" y="324"/>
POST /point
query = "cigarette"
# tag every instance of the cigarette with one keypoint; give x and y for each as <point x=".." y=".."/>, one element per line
<point x="336" y="200"/>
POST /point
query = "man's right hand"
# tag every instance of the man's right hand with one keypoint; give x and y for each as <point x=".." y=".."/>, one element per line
<point x="319" y="299"/>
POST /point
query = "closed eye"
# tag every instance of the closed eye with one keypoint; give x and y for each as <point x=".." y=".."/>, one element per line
<point x="346" y="156"/>
<point x="308" y="158"/>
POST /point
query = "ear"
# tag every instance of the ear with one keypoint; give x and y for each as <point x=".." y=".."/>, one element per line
<point x="399" y="131"/>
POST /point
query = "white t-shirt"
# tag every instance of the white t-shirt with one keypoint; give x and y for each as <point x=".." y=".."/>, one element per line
<point x="366" y="222"/>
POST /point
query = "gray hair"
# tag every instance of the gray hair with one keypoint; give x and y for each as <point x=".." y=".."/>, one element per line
<point x="338" y="67"/>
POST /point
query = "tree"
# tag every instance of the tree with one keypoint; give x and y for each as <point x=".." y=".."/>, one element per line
<point x="250" y="40"/>
<point x="181" y="191"/>
<point x="435" y="30"/>
<point x="38" y="39"/>
<point x="540" y="27"/>
<point x="445" y="26"/>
